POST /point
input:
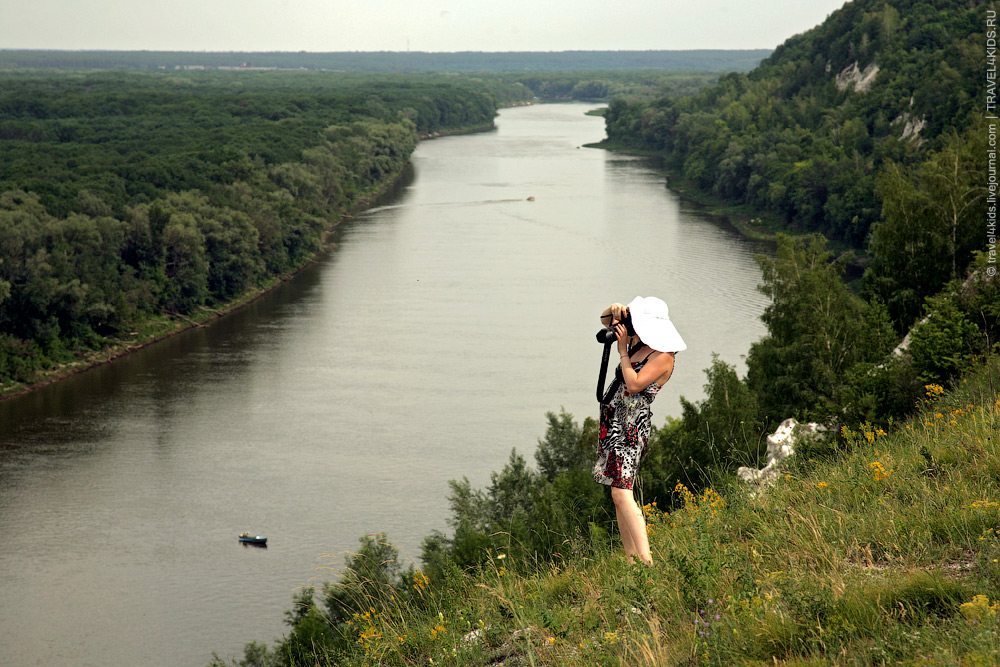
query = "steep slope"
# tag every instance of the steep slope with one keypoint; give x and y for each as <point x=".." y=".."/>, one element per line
<point x="807" y="133"/>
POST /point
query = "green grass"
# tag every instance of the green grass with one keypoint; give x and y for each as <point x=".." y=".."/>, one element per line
<point x="885" y="553"/>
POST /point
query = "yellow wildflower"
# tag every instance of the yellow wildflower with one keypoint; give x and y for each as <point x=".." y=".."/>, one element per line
<point x="979" y="609"/>
<point x="878" y="470"/>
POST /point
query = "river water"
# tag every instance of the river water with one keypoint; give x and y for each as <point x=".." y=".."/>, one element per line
<point x="429" y="342"/>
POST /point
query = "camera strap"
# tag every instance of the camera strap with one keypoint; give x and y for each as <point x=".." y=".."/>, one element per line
<point x="619" y="378"/>
<point x="601" y="394"/>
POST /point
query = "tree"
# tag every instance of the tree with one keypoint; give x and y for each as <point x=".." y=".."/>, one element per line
<point x="372" y="576"/>
<point x="720" y="432"/>
<point x="817" y="331"/>
<point x="929" y="227"/>
<point x="186" y="264"/>
<point x="560" y="449"/>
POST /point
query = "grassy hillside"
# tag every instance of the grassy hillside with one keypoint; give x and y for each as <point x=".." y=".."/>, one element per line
<point x="883" y="553"/>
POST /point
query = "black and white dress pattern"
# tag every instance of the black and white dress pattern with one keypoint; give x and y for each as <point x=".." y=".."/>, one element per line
<point x="626" y="422"/>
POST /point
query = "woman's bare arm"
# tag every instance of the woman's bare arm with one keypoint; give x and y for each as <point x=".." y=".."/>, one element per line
<point x="659" y="364"/>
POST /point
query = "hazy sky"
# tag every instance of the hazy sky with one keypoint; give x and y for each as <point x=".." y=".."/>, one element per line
<point x="395" y="25"/>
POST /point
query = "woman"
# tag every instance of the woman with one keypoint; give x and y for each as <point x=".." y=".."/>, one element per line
<point x="647" y="363"/>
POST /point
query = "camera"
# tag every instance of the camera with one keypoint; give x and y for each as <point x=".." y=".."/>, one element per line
<point x="608" y="335"/>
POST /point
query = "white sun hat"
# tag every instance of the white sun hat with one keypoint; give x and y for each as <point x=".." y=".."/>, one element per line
<point x="651" y="321"/>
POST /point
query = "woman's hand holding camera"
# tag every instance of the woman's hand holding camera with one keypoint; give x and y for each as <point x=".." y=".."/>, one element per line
<point x="618" y="312"/>
<point x="623" y="337"/>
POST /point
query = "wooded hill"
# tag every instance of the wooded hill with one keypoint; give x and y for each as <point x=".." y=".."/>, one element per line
<point x="864" y="129"/>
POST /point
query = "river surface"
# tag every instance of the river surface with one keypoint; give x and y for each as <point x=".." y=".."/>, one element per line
<point x="429" y="342"/>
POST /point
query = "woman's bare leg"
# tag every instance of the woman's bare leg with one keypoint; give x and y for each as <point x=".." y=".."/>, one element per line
<point x="632" y="525"/>
<point x="625" y="533"/>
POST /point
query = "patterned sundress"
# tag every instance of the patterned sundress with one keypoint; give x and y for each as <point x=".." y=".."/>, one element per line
<point x="626" y="422"/>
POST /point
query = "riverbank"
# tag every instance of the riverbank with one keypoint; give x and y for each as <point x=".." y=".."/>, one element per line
<point x="751" y="223"/>
<point x="161" y="327"/>
<point x="748" y="221"/>
<point x="426" y="136"/>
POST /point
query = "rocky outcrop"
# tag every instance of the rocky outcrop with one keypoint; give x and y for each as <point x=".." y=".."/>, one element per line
<point x="859" y="79"/>
<point x="912" y="127"/>
<point x="780" y="445"/>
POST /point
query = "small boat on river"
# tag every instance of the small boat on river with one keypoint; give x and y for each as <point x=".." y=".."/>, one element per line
<point x="247" y="538"/>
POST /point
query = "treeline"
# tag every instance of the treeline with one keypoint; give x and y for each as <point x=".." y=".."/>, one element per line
<point x="127" y="197"/>
<point x="607" y="85"/>
<point x="696" y="60"/>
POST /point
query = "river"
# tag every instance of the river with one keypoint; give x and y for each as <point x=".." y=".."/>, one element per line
<point x="423" y="347"/>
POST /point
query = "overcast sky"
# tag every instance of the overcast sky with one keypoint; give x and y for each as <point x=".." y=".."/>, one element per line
<point x="398" y="25"/>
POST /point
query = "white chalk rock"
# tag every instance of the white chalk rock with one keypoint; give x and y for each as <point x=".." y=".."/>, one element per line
<point x="780" y="445"/>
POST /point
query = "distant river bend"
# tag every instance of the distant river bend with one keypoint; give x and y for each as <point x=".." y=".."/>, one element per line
<point x="424" y="347"/>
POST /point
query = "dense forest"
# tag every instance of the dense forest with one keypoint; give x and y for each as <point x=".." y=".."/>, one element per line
<point x="701" y="60"/>
<point x="604" y="86"/>
<point x="127" y="198"/>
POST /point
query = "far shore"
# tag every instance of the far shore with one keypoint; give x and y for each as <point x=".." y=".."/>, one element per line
<point x="167" y="326"/>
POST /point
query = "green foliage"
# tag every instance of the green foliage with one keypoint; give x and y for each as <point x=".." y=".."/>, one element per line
<point x="943" y="345"/>
<point x="608" y="85"/>
<point x="563" y="447"/>
<point x="817" y="332"/>
<point x="961" y="327"/>
<point x="527" y="516"/>
<point x="931" y="225"/>
<point x="125" y="196"/>
<point x="718" y="433"/>
<point x="795" y="137"/>
<point x="255" y="654"/>
<point x="371" y="577"/>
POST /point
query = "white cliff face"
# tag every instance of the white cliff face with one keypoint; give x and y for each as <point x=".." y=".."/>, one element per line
<point x="780" y="445"/>
<point x="912" y="128"/>
<point x="860" y="80"/>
